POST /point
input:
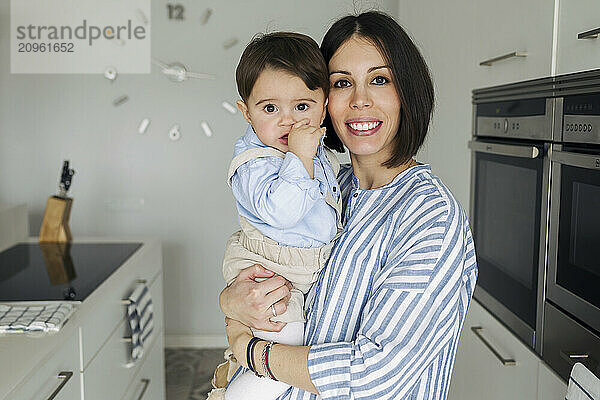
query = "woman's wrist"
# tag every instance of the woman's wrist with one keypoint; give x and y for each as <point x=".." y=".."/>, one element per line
<point x="257" y="354"/>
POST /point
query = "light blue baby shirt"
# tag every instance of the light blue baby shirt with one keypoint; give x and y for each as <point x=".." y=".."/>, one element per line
<point x="278" y="197"/>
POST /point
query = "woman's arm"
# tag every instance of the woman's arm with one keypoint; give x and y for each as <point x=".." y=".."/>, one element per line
<point x="410" y="324"/>
<point x="250" y="302"/>
<point x="288" y="364"/>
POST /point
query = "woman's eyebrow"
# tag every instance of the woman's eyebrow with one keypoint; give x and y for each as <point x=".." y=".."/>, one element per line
<point x="381" y="66"/>
<point x="340" y="72"/>
<point x="370" y="70"/>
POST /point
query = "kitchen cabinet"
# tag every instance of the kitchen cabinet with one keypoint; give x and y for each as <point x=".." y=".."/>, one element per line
<point x="149" y="383"/>
<point x="550" y="385"/>
<point x="91" y="345"/>
<point x="507" y="27"/>
<point x="491" y="363"/>
<point x="573" y="54"/>
<point x="60" y="374"/>
<point x="112" y="363"/>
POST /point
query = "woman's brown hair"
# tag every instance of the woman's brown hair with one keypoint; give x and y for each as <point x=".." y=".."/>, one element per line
<point x="410" y="76"/>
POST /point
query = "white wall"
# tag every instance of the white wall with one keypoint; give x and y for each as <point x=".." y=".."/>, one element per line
<point x="445" y="34"/>
<point x="132" y="184"/>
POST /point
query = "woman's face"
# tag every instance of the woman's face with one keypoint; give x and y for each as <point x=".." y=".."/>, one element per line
<point x="363" y="103"/>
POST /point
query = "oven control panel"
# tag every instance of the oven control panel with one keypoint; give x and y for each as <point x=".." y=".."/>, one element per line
<point x="581" y="119"/>
<point x="518" y="119"/>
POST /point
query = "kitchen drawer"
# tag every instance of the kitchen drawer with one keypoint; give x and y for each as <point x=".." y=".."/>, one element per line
<point x="61" y="369"/>
<point x="104" y="309"/>
<point x="556" y="348"/>
<point x="573" y="54"/>
<point x="503" y="27"/>
<point x="149" y="383"/>
<point x="110" y="372"/>
<point x="480" y="374"/>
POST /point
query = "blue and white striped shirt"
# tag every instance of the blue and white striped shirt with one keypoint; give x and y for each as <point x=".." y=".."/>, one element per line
<point x="384" y="318"/>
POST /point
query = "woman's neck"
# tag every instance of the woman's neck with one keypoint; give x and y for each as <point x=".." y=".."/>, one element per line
<point x="372" y="175"/>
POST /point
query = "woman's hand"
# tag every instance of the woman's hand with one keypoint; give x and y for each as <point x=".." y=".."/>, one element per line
<point x="250" y="302"/>
<point x="238" y="336"/>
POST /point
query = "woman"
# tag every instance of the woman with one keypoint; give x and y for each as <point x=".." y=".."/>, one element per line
<point x="384" y="318"/>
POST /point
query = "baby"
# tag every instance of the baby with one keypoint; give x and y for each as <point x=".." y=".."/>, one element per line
<point x="285" y="186"/>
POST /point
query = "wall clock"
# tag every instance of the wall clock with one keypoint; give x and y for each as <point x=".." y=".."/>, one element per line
<point x="175" y="71"/>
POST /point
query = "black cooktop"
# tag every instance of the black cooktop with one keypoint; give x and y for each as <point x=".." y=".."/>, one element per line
<point x="58" y="271"/>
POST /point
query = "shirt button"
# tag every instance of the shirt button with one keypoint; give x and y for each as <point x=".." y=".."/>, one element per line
<point x="334" y="189"/>
<point x="355" y="195"/>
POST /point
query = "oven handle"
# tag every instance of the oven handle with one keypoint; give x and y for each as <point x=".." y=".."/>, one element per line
<point x="575" y="159"/>
<point x="505" y="149"/>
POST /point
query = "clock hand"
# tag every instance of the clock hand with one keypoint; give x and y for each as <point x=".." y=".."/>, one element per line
<point x="199" y="75"/>
<point x="179" y="72"/>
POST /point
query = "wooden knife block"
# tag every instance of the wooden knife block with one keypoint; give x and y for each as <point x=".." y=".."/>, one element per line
<point x="59" y="263"/>
<point x="55" y="225"/>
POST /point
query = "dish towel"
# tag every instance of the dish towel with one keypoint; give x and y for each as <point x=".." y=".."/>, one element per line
<point x="139" y="315"/>
<point x="41" y="318"/>
<point x="583" y="384"/>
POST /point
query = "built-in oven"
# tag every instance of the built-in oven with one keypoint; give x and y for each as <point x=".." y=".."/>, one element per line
<point x="572" y="326"/>
<point x="509" y="209"/>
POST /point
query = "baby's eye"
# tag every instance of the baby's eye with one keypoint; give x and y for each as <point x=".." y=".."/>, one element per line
<point x="302" y="107"/>
<point x="380" y="80"/>
<point x="342" y="83"/>
<point x="270" y="108"/>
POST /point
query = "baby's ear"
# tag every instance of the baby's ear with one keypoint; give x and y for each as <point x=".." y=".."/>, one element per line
<point x="243" y="110"/>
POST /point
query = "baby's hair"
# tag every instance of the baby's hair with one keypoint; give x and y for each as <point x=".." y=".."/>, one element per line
<point x="291" y="52"/>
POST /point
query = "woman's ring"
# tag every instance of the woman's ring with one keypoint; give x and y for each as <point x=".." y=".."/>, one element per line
<point x="273" y="310"/>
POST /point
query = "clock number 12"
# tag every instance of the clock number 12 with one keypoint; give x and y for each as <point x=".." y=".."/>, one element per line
<point x="175" y="11"/>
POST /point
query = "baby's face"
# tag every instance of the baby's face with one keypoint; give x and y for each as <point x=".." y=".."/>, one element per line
<point x="278" y="100"/>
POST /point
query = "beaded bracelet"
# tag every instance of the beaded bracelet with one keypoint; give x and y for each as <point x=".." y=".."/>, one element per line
<point x="265" y="360"/>
<point x="250" y="355"/>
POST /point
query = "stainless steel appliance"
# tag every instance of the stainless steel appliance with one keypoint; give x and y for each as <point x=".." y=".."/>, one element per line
<point x="509" y="204"/>
<point x="572" y="325"/>
<point x="535" y="213"/>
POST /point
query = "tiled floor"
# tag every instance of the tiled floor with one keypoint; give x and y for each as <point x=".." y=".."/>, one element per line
<point x="189" y="372"/>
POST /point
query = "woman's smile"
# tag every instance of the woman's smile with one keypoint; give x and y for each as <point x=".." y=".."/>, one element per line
<point x="364" y="126"/>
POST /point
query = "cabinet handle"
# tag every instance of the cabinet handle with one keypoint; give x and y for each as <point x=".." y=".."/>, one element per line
<point x="64" y="376"/>
<point x="505" y="361"/>
<point x="593" y="34"/>
<point x="583" y="358"/>
<point x="503" y="57"/>
<point x="127" y="302"/>
<point x="146" y="383"/>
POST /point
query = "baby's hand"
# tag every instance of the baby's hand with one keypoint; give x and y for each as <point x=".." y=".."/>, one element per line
<point x="303" y="140"/>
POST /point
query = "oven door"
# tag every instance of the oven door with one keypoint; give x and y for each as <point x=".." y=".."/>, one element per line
<point x="574" y="251"/>
<point x="509" y="203"/>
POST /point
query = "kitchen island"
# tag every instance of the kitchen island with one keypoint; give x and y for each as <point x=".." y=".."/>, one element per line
<point x="89" y="357"/>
